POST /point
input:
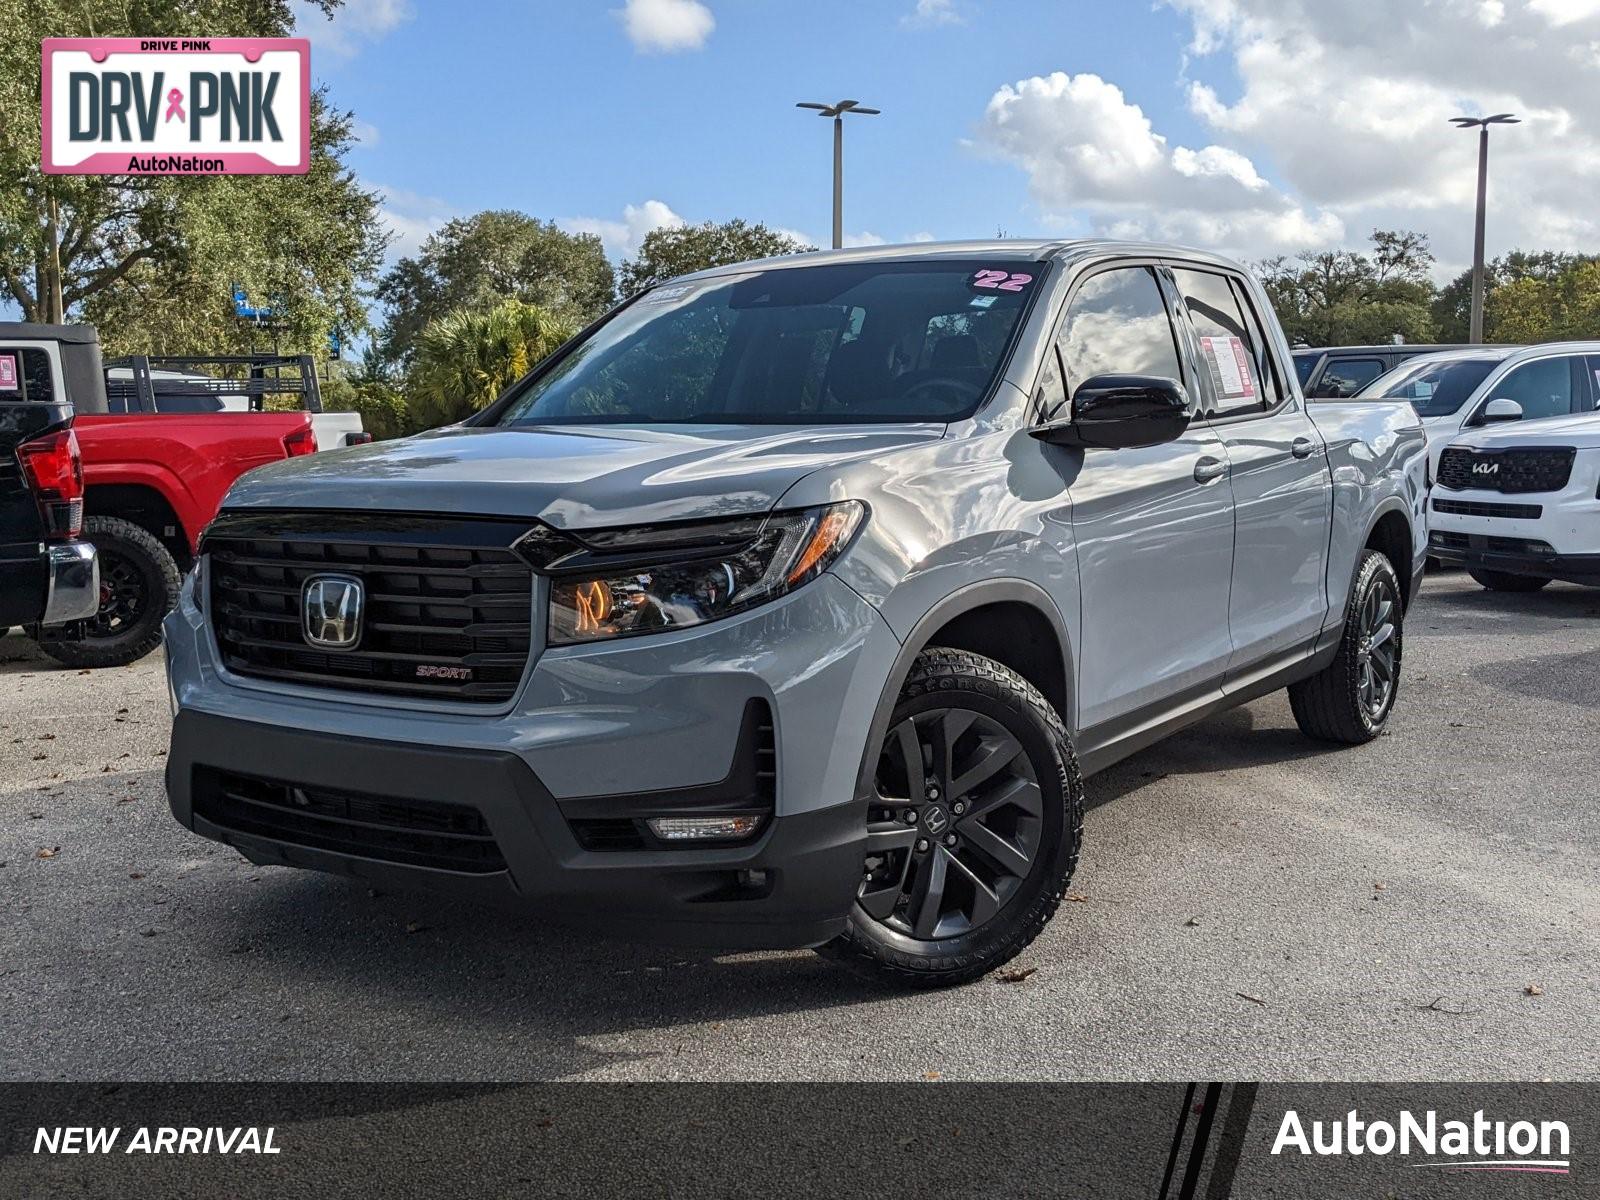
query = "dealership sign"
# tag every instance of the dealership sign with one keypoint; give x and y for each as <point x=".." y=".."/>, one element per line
<point x="169" y="106"/>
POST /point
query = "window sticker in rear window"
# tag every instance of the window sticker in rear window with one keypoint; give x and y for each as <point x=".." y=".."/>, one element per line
<point x="1000" y="281"/>
<point x="1228" y="362"/>
<point x="9" y="381"/>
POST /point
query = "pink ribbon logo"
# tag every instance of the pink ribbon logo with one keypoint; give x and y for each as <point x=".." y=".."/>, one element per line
<point x="175" y="105"/>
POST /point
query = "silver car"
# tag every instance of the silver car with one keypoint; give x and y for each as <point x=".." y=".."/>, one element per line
<point x="792" y="604"/>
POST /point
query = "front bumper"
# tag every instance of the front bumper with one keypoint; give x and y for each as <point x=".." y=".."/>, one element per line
<point x="1484" y="553"/>
<point x="597" y="731"/>
<point x="73" y="588"/>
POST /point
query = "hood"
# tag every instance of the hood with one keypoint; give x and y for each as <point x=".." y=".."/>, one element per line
<point x="572" y="477"/>
<point x="1582" y="431"/>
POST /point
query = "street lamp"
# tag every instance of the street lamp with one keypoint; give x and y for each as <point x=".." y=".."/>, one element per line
<point x="837" y="112"/>
<point x="1481" y="124"/>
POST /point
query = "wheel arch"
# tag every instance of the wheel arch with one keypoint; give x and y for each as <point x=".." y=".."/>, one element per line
<point x="1390" y="534"/>
<point x="1024" y="631"/>
<point x="145" y="506"/>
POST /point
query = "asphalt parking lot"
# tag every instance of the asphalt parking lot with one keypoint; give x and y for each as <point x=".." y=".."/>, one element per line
<point x="1249" y="905"/>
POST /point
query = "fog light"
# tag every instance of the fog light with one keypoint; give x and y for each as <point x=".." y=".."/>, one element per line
<point x="704" y="829"/>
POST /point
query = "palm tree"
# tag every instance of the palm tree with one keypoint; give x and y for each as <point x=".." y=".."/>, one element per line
<point x="468" y="357"/>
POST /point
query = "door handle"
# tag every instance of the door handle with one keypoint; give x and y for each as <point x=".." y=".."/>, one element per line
<point x="1302" y="447"/>
<point x="1209" y="468"/>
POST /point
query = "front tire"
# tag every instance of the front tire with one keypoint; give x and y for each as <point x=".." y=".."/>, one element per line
<point x="1505" y="581"/>
<point x="973" y="828"/>
<point x="1351" y="699"/>
<point x="139" y="584"/>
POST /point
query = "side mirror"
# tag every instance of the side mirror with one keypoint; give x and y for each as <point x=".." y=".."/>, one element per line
<point x="1500" y="410"/>
<point x="1120" y="412"/>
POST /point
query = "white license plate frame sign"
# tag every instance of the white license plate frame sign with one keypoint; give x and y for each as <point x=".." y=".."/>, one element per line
<point x="176" y="106"/>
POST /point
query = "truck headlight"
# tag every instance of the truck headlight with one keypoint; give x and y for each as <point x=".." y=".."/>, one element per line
<point x="756" y="561"/>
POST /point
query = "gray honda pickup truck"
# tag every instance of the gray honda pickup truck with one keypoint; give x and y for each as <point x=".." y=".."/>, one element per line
<point x="792" y="603"/>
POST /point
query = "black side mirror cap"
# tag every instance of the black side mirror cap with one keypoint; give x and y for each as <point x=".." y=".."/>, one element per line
<point x="1120" y="412"/>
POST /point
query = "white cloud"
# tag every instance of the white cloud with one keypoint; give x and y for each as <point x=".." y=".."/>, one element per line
<point x="864" y="238"/>
<point x="354" y="23"/>
<point x="1089" y="151"/>
<point x="365" y="133"/>
<point x="933" y="12"/>
<point x="410" y="218"/>
<point x="1347" y="104"/>
<point x="666" y="26"/>
<point x="623" y="238"/>
<point x="923" y="236"/>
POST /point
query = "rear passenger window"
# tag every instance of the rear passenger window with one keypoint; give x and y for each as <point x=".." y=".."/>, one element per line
<point x="1594" y="380"/>
<point x="25" y="375"/>
<point x="1543" y="388"/>
<point x="1231" y="345"/>
<point x="1117" y="324"/>
<point x="1347" y="376"/>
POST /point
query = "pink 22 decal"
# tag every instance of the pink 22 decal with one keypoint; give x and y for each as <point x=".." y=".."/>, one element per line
<point x="1001" y="281"/>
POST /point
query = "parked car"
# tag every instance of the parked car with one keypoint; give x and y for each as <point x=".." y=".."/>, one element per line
<point x="1464" y="389"/>
<point x="1339" y="372"/>
<point x="1518" y="505"/>
<point x="49" y="576"/>
<point x="790" y="604"/>
<point x="170" y="383"/>
<point x="150" y="483"/>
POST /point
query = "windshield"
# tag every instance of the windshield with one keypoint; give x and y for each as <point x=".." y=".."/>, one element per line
<point x="1435" y="388"/>
<point x="878" y="341"/>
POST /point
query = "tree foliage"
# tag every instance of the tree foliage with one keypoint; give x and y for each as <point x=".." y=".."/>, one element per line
<point x="1532" y="278"/>
<point x="1347" y="297"/>
<point x="154" y="259"/>
<point x="665" y="253"/>
<point x="478" y="261"/>
<point x="465" y="359"/>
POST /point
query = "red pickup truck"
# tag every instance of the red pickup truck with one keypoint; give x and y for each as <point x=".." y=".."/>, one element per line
<point x="152" y="482"/>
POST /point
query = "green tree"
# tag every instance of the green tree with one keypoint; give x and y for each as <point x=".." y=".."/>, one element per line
<point x="1559" y="307"/>
<point x="1352" y="298"/>
<point x="665" y="253"/>
<point x="465" y="359"/>
<point x="1452" y="310"/>
<point x="481" y="260"/>
<point x="154" y="258"/>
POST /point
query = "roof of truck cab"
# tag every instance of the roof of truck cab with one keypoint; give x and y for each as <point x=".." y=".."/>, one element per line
<point x="1402" y="348"/>
<point x="994" y="249"/>
<point x="27" y="330"/>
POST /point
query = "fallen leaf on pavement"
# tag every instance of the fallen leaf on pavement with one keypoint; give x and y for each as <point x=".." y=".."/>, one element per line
<point x="416" y="927"/>
<point x="48" y="852"/>
<point x="1252" y="999"/>
<point x="1193" y="921"/>
<point x="1380" y="887"/>
<point x="1077" y="898"/>
<point x="1533" y="989"/>
<point x="931" y="1076"/>
<point x="1017" y="975"/>
<point x="135" y="874"/>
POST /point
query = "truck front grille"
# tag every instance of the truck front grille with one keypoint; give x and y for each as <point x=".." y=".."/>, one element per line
<point x="1534" y="469"/>
<point x="447" y="614"/>
<point x="417" y="833"/>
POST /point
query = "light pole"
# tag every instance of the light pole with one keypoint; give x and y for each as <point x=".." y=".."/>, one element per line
<point x="837" y="112"/>
<point x="1481" y="124"/>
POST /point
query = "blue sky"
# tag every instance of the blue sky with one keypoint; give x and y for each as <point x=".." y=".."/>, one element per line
<point x="1258" y="127"/>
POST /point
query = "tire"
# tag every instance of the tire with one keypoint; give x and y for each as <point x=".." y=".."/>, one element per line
<point x="139" y="584"/>
<point x="1336" y="704"/>
<point x="1505" y="581"/>
<point x="1016" y="826"/>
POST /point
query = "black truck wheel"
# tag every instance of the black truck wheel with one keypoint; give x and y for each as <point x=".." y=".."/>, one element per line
<point x="1350" y="700"/>
<point x="973" y="828"/>
<point x="1505" y="581"/>
<point x="139" y="585"/>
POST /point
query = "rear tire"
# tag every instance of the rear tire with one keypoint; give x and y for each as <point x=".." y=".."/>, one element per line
<point x="973" y="830"/>
<point x="1505" y="581"/>
<point x="139" y="584"/>
<point x="1351" y="699"/>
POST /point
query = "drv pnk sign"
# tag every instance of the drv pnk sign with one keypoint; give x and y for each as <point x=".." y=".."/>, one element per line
<point x="171" y="106"/>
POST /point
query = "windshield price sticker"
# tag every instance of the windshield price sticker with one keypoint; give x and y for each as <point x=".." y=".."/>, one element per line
<point x="1228" y="362"/>
<point x="666" y="295"/>
<point x="1000" y="281"/>
<point x="8" y="373"/>
<point x="176" y="106"/>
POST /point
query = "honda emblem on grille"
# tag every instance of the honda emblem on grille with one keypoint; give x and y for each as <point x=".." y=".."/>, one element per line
<point x="1486" y="468"/>
<point x="330" y="611"/>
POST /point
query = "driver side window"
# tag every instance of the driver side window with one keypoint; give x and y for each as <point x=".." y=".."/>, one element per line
<point x="1118" y="324"/>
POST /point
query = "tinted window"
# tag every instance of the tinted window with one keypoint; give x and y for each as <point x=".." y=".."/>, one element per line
<point x="1229" y="353"/>
<point x="914" y="341"/>
<point x="1435" y="388"/>
<point x="1117" y="324"/>
<point x="1304" y="364"/>
<point x="33" y="366"/>
<point x="1346" y="376"/>
<point x="1543" y="388"/>
<point x="1594" y="379"/>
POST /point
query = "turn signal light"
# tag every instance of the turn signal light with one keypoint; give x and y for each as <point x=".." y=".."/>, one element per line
<point x="706" y="829"/>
